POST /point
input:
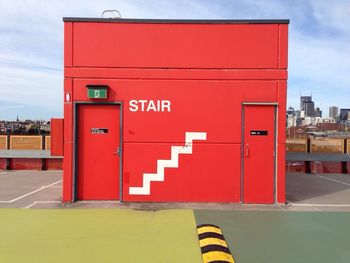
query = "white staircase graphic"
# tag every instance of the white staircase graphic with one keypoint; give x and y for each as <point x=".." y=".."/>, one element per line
<point x="145" y="189"/>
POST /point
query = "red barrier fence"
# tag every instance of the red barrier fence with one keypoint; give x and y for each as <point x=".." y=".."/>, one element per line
<point x="27" y="152"/>
<point x="322" y="148"/>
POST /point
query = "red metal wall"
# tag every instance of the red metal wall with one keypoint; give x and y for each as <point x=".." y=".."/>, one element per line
<point x="196" y="45"/>
<point x="2" y="164"/>
<point x="206" y="72"/>
<point x="54" y="164"/>
<point x="25" y="164"/>
<point x="57" y="137"/>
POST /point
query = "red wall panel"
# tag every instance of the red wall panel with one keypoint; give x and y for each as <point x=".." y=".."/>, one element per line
<point x="283" y="46"/>
<point x="208" y="174"/>
<point x="348" y="166"/>
<point x="25" y="164"/>
<point x="175" y="45"/>
<point x="281" y="173"/>
<point x="68" y="141"/>
<point x="54" y="164"/>
<point x="170" y="73"/>
<point x="326" y="167"/>
<point x="68" y="44"/>
<point x="210" y="106"/>
<point x="332" y="167"/>
<point x="57" y="137"/>
<point x="68" y="110"/>
<point x="281" y="110"/>
<point x="67" y="172"/>
<point x="3" y="164"/>
<point x="295" y="166"/>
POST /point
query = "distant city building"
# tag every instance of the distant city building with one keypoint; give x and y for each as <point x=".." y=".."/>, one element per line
<point x="291" y="117"/>
<point x="290" y="111"/>
<point x="309" y="108"/>
<point x="299" y="122"/>
<point x="310" y="115"/>
<point x="328" y="120"/>
<point x="308" y="121"/>
<point x="303" y="100"/>
<point x="344" y="115"/>
<point x="24" y="127"/>
<point x="318" y="112"/>
<point x="333" y="112"/>
<point x="291" y="121"/>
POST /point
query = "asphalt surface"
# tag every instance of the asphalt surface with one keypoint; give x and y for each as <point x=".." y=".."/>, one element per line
<point x="304" y="192"/>
<point x="322" y="192"/>
<point x="21" y="189"/>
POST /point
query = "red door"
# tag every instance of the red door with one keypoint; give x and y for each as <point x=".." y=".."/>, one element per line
<point x="98" y="131"/>
<point x="258" y="155"/>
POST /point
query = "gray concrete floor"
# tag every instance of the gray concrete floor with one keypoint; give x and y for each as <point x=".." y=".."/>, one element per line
<point x="324" y="192"/>
<point x="305" y="192"/>
<point x="21" y="189"/>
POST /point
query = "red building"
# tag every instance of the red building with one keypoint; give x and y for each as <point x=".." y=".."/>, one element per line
<point x="175" y="110"/>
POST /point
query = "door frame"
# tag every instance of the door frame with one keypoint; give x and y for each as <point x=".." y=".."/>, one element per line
<point x="76" y="104"/>
<point x="275" y="105"/>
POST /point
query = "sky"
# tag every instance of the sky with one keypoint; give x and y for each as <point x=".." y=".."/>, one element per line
<point x="31" y="45"/>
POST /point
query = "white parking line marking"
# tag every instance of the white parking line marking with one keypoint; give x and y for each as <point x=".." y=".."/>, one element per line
<point x="99" y="201"/>
<point x="322" y="205"/>
<point x="42" y="202"/>
<point x="306" y="205"/>
<point x="333" y="180"/>
<point x="84" y="202"/>
<point x="33" y="192"/>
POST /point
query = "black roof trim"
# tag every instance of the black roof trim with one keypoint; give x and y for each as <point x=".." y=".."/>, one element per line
<point x="177" y="21"/>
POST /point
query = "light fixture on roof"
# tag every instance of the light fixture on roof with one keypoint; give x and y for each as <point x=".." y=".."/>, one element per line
<point x="113" y="13"/>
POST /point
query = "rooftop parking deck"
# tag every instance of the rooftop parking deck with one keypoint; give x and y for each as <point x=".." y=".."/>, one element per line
<point x="305" y="192"/>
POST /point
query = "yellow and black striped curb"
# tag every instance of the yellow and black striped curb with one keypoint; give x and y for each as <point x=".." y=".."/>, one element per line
<point x="213" y="245"/>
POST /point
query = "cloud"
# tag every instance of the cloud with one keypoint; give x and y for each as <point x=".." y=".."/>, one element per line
<point x="318" y="62"/>
<point x="334" y="15"/>
<point x="8" y="107"/>
<point x="31" y="40"/>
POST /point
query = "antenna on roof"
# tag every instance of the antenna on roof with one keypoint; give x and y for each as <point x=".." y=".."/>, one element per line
<point x="113" y="13"/>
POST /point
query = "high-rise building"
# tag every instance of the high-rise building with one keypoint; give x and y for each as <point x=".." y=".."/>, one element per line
<point x="344" y="115"/>
<point x="303" y="100"/>
<point x="333" y="112"/>
<point x="318" y="112"/>
<point x="290" y="111"/>
<point x="309" y="108"/>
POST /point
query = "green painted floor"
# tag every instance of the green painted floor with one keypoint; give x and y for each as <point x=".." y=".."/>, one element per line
<point x="100" y="235"/>
<point x="279" y="236"/>
<point x="124" y="235"/>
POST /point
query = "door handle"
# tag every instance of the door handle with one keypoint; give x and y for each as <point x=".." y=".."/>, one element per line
<point x="247" y="150"/>
<point x="117" y="152"/>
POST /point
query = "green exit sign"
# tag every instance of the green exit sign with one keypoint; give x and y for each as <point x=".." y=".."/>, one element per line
<point x="97" y="91"/>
